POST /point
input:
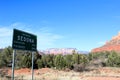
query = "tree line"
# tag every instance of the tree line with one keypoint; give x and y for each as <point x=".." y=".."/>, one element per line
<point x="74" y="61"/>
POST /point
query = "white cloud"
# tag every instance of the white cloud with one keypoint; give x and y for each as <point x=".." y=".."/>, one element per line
<point x="5" y="37"/>
<point x="46" y="38"/>
<point x="101" y="43"/>
<point x="5" y="32"/>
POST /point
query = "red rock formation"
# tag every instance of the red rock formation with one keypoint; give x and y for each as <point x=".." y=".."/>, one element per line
<point x="63" y="51"/>
<point x="113" y="44"/>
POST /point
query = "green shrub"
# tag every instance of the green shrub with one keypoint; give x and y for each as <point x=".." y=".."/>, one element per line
<point x="40" y="63"/>
<point x="60" y="62"/>
<point x="113" y="59"/>
<point x="79" y="67"/>
<point x="69" y="61"/>
<point x="26" y="60"/>
<point x="6" y="57"/>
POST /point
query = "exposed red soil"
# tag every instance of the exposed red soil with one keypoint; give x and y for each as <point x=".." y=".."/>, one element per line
<point x="28" y="71"/>
<point x="41" y="72"/>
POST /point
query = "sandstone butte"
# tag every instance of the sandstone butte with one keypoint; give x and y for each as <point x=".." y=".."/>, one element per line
<point x="112" y="45"/>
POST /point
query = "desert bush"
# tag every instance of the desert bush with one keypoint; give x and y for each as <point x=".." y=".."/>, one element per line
<point x="37" y="56"/>
<point x="98" y="55"/>
<point x="47" y="60"/>
<point x="79" y="67"/>
<point x="50" y="60"/>
<point x="79" y="62"/>
<point x="69" y="61"/>
<point x="6" y="57"/>
<point x="76" y="58"/>
<point x="59" y="62"/>
<point x="2" y="63"/>
<point x="26" y="60"/>
<point x="97" y="59"/>
<point x="79" y="58"/>
<point x="40" y="63"/>
<point x="113" y="59"/>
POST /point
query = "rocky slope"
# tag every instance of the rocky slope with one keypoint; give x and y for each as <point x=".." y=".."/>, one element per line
<point x="113" y="44"/>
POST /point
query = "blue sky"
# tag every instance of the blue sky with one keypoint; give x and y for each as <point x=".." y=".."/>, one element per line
<point x="81" y="24"/>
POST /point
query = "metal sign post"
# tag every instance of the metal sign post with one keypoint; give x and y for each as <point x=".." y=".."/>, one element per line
<point x="13" y="64"/>
<point x="23" y="41"/>
<point x="32" y="65"/>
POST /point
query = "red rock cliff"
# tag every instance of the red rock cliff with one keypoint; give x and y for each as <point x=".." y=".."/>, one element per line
<point x="113" y="44"/>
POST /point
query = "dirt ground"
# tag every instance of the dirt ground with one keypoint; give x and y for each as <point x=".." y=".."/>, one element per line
<point x="52" y="74"/>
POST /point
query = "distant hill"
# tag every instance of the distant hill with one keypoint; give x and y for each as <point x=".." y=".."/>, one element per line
<point x="59" y="50"/>
<point x="63" y="51"/>
<point x="113" y="44"/>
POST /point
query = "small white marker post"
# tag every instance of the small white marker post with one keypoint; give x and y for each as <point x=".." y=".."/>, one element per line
<point x="32" y="65"/>
<point x="13" y="64"/>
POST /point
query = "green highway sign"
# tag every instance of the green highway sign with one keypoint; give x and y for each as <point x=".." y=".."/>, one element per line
<point x="24" y="41"/>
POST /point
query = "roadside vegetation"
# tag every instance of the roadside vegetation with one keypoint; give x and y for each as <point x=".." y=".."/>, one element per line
<point x="74" y="61"/>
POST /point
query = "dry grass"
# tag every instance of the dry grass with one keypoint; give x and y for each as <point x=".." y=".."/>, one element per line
<point x="50" y="74"/>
